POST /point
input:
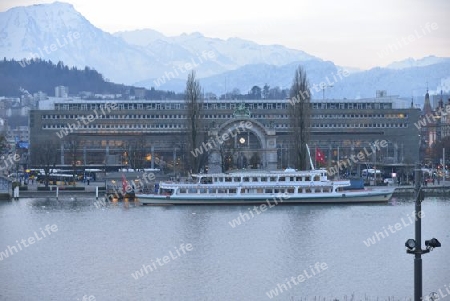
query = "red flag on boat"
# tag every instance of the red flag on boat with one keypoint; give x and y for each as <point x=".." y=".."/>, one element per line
<point x="124" y="184"/>
<point x="320" y="157"/>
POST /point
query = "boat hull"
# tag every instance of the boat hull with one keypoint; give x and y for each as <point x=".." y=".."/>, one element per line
<point x="364" y="196"/>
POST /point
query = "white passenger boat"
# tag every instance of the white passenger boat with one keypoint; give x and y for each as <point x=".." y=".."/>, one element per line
<point x="246" y="187"/>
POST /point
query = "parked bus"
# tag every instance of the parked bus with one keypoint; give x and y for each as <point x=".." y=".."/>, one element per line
<point x="91" y="174"/>
<point x="371" y="176"/>
<point x="57" y="179"/>
<point x="371" y="173"/>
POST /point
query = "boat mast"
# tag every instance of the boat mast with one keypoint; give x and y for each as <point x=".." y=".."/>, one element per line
<point x="309" y="155"/>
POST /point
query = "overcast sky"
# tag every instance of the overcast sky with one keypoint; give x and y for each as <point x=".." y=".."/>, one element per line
<point x="351" y="33"/>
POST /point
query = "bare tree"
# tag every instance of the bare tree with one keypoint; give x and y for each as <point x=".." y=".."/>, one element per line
<point x="266" y="91"/>
<point x="3" y="143"/>
<point x="196" y="132"/>
<point x="299" y="117"/>
<point x="227" y="150"/>
<point x="72" y="144"/>
<point x="45" y="156"/>
<point x="135" y="150"/>
<point x="438" y="146"/>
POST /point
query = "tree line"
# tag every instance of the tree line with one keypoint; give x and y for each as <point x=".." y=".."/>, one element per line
<point x="39" y="75"/>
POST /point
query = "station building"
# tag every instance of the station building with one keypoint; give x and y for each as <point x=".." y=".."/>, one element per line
<point x="152" y="133"/>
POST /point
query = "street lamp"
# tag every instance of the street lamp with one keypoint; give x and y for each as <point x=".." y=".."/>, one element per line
<point x="324" y="86"/>
<point x="410" y="244"/>
<point x="432" y="243"/>
<point x="413" y="246"/>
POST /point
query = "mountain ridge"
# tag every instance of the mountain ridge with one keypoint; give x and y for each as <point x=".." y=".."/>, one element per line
<point x="58" y="32"/>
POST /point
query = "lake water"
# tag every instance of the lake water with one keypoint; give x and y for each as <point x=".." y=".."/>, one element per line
<point x="194" y="252"/>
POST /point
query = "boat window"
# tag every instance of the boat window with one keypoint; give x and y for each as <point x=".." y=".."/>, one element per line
<point x="246" y="179"/>
<point x="255" y="179"/>
<point x="282" y="179"/>
<point x="182" y="190"/>
<point x="264" y="179"/>
<point x="259" y="190"/>
<point x="221" y="191"/>
<point x="290" y="190"/>
<point x="300" y="190"/>
<point x="228" y="179"/>
<point x="237" y="179"/>
<point x="273" y="179"/>
<point x="232" y="190"/>
<point x="317" y="178"/>
<point x="308" y="190"/>
<point x="308" y="178"/>
<point x="269" y="190"/>
<point x="298" y="179"/>
<point x="167" y="191"/>
<point x="291" y="179"/>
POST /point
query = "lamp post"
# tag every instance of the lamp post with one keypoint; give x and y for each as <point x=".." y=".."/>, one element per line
<point x="413" y="246"/>
<point x="174" y="161"/>
<point x="443" y="165"/>
<point x="324" y="86"/>
<point x="105" y="174"/>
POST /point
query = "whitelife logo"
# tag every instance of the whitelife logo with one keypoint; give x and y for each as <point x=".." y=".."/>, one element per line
<point x="11" y="250"/>
<point x="244" y="217"/>
<point x="393" y="229"/>
<point x="71" y="127"/>
<point x="205" y="56"/>
<point x="205" y="147"/>
<point x="313" y="271"/>
<point x="181" y="250"/>
<point x="71" y="37"/>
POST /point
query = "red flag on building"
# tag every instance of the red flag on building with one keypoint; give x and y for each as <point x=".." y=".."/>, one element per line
<point x="124" y="184"/>
<point x="320" y="157"/>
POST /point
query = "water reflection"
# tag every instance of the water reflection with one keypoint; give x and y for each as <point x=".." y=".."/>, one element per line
<point x="76" y="203"/>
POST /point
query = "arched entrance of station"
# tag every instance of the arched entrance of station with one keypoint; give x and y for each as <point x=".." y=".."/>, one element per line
<point x="243" y="144"/>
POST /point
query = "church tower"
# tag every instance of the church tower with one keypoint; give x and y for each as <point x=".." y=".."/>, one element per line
<point x="428" y="132"/>
<point x="427" y="109"/>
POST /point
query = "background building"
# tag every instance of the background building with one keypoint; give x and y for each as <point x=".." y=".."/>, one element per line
<point x="152" y="133"/>
<point x="61" y="91"/>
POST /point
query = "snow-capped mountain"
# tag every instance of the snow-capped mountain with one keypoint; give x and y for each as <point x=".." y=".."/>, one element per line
<point x="411" y="62"/>
<point x="57" y="32"/>
<point x="140" y="37"/>
<point x="231" y="53"/>
<point x="338" y="82"/>
<point x="211" y="56"/>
